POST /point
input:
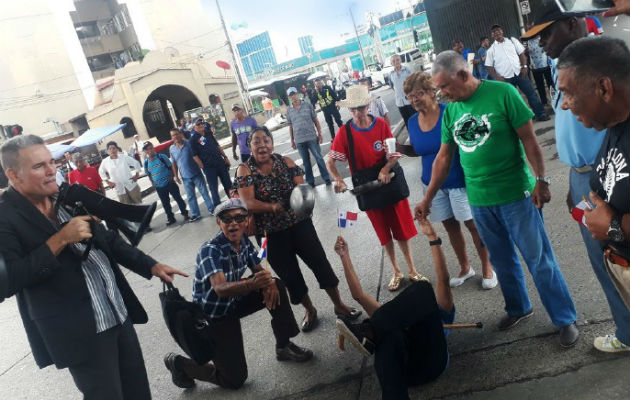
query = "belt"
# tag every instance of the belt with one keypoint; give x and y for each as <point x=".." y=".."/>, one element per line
<point x="581" y="170"/>
<point x="615" y="258"/>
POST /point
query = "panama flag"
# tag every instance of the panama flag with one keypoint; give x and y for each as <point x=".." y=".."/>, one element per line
<point x="263" y="249"/>
<point x="578" y="212"/>
<point x="347" y="219"/>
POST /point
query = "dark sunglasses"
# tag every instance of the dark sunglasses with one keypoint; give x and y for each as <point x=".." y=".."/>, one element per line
<point x="239" y="218"/>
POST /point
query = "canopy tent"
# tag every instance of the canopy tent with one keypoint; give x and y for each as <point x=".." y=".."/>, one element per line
<point x="316" y="75"/>
<point x="92" y="136"/>
<point x="258" y="93"/>
<point x="59" y="149"/>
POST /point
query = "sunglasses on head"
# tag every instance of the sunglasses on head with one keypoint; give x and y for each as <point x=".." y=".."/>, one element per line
<point x="239" y="218"/>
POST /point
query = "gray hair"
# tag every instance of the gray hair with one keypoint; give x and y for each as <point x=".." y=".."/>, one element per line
<point x="593" y="57"/>
<point x="395" y="55"/>
<point x="10" y="151"/>
<point x="449" y="61"/>
<point x="76" y="157"/>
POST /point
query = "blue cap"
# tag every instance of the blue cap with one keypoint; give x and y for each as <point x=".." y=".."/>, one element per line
<point x="291" y="90"/>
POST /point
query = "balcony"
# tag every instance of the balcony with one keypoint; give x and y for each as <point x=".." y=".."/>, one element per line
<point x="98" y="45"/>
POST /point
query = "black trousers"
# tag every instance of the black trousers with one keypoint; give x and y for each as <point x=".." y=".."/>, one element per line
<point x="172" y="189"/>
<point x="301" y="239"/>
<point x="331" y="113"/>
<point x="410" y="343"/>
<point x="116" y="369"/>
<point x="540" y="76"/>
<point x="228" y="368"/>
<point x="406" y="112"/>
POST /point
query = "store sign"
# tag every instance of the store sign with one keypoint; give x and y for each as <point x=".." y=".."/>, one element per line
<point x="230" y="95"/>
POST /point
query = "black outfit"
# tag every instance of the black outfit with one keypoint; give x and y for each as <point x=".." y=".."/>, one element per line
<point x="55" y="305"/>
<point x="327" y="99"/>
<point x="228" y="368"/>
<point x="406" y="112"/>
<point x="214" y="167"/>
<point x="610" y="177"/>
<point x="540" y="76"/>
<point x="171" y="189"/>
<point x="411" y="346"/>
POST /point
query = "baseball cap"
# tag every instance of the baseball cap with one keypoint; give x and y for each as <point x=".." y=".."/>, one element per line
<point x="237" y="106"/>
<point x="199" y="120"/>
<point x="547" y="13"/>
<point x="291" y="90"/>
<point x="230" y="204"/>
<point x="146" y="144"/>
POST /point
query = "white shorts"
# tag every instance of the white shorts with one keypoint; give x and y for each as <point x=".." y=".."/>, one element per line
<point x="449" y="203"/>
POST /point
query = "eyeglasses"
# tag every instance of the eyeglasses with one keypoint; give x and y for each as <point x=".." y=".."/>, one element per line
<point x="238" y="218"/>
<point x="361" y="108"/>
<point x="261" y="142"/>
<point x="417" y="94"/>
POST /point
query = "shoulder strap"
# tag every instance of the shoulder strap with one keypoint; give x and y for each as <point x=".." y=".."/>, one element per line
<point x="353" y="162"/>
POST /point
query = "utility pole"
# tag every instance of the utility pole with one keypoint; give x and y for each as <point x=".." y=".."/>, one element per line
<point x="356" y="32"/>
<point x="239" y="80"/>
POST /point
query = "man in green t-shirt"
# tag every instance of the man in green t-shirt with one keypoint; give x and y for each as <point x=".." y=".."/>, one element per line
<point x="492" y="127"/>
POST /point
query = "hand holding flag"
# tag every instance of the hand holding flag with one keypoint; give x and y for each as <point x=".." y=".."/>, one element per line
<point x="578" y="211"/>
<point x="262" y="254"/>
<point x="347" y="219"/>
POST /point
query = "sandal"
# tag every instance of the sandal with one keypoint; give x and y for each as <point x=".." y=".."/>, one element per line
<point x="309" y="325"/>
<point x="417" y="277"/>
<point x="354" y="314"/>
<point x="394" y="284"/>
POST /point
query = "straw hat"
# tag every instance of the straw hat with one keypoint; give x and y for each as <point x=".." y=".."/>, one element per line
<point x="356" y="96"/>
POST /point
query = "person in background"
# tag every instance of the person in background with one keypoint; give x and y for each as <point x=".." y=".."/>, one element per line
<point x="577" y="147"/>
<point x="396" y="80"/>
<point x="480" y="58"/>
<point x="267" y="106"/>
<point x="85" y="175"/>
<point x="135" y="150"/>
<point x="406" y="334"/>
<point x="59" y="177"/>
<point x="116" y="171"/>
<point x="327" y="99"/>
<point x="241" y="126"/>
<point x="491" y="126"/>
<point x="594" y="79"/>
<point x="159" y="169"/>
<point x="377" y="107"/>
<point x="226" y="297"/>
<point x="68" y="164"/>
<point x="182" y="128"/>
<point x="458" y="46"/>
<point x="540" y="66"/>
<point x="185" y="165"/>
<point x="450" y="206"/>
<point x="506" y="61"/>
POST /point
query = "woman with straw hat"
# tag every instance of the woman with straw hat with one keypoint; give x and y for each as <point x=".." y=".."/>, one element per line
<point x="368" y="136"/>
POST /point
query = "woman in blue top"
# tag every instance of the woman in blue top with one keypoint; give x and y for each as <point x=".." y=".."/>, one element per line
<point x="451" y="203"/>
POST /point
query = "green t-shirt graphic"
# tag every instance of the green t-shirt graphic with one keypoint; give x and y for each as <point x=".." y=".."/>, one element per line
<point x="492" y="155"/>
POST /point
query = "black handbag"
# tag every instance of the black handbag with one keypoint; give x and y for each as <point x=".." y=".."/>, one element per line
<point x="386" y="195"/>
<point x="187" y="324"/>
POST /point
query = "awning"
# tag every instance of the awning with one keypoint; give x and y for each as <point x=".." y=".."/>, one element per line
<point x="95" y="135"/>
<point x="59" y="149"/>
<point x="316" y="75"/>
<point x="258" y="93"/>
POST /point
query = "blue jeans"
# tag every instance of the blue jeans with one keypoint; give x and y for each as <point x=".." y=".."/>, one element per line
<point x="521" y="224"/>
<point x="579" y="186"/>
<point x="312" y="146"/>
<point x="528" y="90"/>
<point x="197" y="182"/>
<point x="172" y="189"/>
<point x="213" y="174"/>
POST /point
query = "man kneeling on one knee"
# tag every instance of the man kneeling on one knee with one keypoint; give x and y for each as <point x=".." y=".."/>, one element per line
<point x="226" y="298"/>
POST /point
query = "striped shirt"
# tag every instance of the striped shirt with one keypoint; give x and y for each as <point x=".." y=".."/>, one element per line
<point x="107" y="302"/>
<point x="301" y="120"/>
<point x="219" y="255"/>
<point x="159" y="169"/>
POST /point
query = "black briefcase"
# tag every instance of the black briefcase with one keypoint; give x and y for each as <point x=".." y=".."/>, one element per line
<point x="187" y="324"/>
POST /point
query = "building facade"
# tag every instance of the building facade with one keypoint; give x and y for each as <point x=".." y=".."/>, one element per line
<point x="257" y="55"/>
<point x="306" y="45"/>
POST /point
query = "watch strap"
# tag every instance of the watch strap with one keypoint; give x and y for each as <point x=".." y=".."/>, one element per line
<point x="436" y="242"/>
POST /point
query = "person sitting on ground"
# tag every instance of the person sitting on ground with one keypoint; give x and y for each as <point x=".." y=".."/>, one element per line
<point x="405" y="334"/>
<point x="226" y="298"/>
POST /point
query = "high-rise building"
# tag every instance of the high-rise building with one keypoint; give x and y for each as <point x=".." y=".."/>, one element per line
<point x="306" y="45"/>
<point x="256" y="54"/>
<point x="106" y="34"/>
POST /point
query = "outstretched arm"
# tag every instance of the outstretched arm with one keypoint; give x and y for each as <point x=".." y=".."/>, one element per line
<point x="443" y="292"/>
<point x="369" y="304"/>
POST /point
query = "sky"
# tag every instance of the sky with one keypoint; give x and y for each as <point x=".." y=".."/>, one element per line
<point x="325" y="20"/>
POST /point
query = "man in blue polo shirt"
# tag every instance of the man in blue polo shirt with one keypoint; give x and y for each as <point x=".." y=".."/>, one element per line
<point x="211" y="159"/>
<point x="184" y="165"/>
<point x="158" y="168"/>
<point x="578" y="147"/>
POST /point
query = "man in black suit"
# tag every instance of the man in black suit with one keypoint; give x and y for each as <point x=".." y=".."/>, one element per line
<point x="77" y="314"/>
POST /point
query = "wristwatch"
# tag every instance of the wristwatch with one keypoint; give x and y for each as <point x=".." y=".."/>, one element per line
<point x="615" y="233"/>
<point x="436" y="242"/>
<point x="524" y="66"/>
<point x="544" y="179"/>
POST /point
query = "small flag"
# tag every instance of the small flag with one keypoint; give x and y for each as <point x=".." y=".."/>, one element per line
<point x="578" y="211"/>
<point x="263" y="249"/>
<point x="347" y="219"/>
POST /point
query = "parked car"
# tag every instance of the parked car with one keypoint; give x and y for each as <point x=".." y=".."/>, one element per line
<point x="374" y="72"/>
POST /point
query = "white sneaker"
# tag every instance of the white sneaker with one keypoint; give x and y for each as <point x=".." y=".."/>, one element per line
<point x="457" y="281"/>
<point x="489" y="283"/>
<point x="609" y="344"/>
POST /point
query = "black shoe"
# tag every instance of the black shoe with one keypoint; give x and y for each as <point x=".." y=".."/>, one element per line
<point x="542" y="118"/>
<point x="293" y="352"/>
<point x="510" y="322"/>
<point x="170" y="222"/>
<point x="194" y="218"/>
<point x="179" y="378"/>
<point x="309" y="325"/>
<point x="358" y="336"/>
<point x="148" y="229"/>
<point x="569" y="335"/>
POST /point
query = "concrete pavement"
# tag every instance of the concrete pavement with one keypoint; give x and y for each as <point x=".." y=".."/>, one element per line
<point x="524" y="363"/>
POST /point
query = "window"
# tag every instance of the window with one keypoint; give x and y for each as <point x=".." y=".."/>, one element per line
<point x="130" y="129"/>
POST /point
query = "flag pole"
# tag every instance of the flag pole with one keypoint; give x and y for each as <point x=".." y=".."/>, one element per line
<point x="338" y="224"/>
<point x="266" y="251"/>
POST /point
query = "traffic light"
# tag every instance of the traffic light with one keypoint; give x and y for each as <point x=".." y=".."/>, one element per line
<point x="415" y="36"/>
<point x="15" y="130"/>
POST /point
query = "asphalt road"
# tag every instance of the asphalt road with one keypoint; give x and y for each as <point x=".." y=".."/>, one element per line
<point x="524" y="363"/>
